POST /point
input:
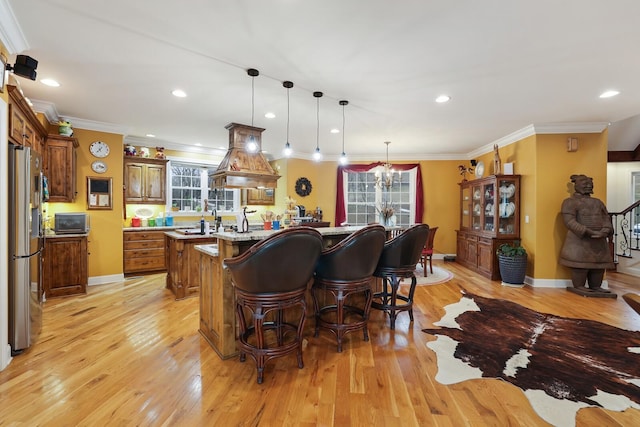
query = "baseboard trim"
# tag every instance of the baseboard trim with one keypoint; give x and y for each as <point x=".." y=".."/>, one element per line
<point x="101" y="280"/>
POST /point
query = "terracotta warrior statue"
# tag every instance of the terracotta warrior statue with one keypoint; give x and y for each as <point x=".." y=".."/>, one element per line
<point x="586" y="250"/>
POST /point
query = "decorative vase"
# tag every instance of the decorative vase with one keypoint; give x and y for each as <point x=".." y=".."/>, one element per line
<point x="388" y="221"/>
<point x="65" y="130"/>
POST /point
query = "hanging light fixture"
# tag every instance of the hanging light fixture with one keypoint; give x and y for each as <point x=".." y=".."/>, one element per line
<point x="343" y="156"/>
<point x="317" y="156"/>
<point x="252" y="145"/>
<point x="287" y="147"/>
<point x="385" y="178"/>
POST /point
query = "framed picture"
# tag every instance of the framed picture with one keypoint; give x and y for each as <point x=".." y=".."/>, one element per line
<point x="3" y="74"/>
<point x="99" y="192"/>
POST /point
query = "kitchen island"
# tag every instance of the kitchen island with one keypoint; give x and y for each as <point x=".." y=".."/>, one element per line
<point x="217" y="306"/>
<point x="182" y="262"/>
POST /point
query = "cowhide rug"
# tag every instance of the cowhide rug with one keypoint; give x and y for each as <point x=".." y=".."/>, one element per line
<point x="562" y="364"/>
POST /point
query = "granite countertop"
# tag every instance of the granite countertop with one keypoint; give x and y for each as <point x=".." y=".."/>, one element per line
<point x="163" y="228"/>
<point x="261" y="234"/>
<point x="181" y="236"/>
<point x="50" y="234"/>
<point x="211" y="250"/>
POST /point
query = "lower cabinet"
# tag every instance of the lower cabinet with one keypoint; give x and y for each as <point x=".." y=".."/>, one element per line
<point x="217" y="305"/>
<point x="65" y="266"/>
<point x="478" y="253"/>
<point x="183" y="264"/>
<point x="143" y="252"/>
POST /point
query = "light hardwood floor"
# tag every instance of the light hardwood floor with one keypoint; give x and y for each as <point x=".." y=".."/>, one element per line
<point x="128" y="354"/>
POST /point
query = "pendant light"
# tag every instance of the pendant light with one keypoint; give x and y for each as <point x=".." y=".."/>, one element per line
<point x="252" y="145"/>
<point x="317" y="156"/>
<point x="287" y="147"/>
<point x="343" y="156"/>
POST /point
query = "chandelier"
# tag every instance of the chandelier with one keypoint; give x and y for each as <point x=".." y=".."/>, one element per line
<point x="386" y="178"/>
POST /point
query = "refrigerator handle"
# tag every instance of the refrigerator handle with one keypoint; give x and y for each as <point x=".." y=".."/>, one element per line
<point x="26" y="256"/>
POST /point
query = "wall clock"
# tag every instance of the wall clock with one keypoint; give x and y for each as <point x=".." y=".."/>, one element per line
<point x="303" y="187"/>
<point x="99" y="166"/>
<point x="479" y="169"/>
<point x="99" y="149"/>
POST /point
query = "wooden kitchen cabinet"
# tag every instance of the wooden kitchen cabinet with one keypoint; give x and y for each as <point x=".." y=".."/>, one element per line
<point x="65" y="269"/>
<point x="143" y="252"/>
<point x="60" y="167"/>
<point x="145" y="180"/>
<point x="24" y="127"/>
<point x="183" y="263"/>
<point x="489" y="217"/>
<point x="258" y="196"/>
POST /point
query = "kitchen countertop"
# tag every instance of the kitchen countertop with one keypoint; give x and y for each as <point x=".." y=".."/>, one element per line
<point x="181" y="236"/>
<point x="261" y="234"/>
<point x="211" y="250"/>
<point x="163" y="228"/>
<point x="53" y="235"/>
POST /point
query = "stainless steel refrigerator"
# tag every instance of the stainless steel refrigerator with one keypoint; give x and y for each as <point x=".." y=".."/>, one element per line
<point x="26" y="243"/>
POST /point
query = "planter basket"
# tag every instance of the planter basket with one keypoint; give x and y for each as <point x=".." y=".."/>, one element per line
<point x="512" y="269"/>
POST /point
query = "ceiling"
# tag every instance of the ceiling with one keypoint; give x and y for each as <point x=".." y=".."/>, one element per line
<point x="506" y="65"/>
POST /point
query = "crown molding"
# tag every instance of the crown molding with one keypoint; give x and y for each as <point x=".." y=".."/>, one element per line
<point x="11" y="34"/>
<point x="577" y="127"/>
<point x="96" y="126"/>
<point x="541" y="129"/>
<point x="141" y="141"/>
<point x="46" y="108"/>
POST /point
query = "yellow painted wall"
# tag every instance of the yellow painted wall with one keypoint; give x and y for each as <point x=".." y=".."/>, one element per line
<point x="554" y="167"/>
<point x="105" y="237"/>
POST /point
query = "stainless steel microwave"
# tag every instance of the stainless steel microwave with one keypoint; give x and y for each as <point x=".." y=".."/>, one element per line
<point x="72" y="223"/>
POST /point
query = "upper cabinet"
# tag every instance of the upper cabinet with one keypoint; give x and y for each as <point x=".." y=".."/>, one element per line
<point x="491" y="206"/>
<point x="60" y="167"/>
<point x="145" y="180"/>
<point x="24" y="127"/>
<point x="258" y="196"/>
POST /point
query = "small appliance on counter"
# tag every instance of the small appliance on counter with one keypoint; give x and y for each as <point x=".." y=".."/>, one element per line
<point x="72" y="223"/>
<point x="301" y="211"/>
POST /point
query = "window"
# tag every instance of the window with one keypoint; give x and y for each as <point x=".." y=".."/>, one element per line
<point x="189" y="189"/>
<point x="366" y="200"/>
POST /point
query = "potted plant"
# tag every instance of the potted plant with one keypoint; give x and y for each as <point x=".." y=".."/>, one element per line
<point x="512" y="260"/>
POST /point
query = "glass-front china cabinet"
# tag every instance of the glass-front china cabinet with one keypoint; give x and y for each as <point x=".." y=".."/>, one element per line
<point x="489" y="216"/>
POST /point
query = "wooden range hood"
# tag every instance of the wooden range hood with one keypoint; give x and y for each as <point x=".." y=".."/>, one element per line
<point x="241" y="169"/>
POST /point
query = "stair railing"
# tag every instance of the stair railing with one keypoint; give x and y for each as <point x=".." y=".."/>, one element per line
<point x="626" y="231"/>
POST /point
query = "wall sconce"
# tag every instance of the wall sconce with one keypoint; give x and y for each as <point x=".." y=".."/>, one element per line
<point x="25" y="66"/>
<point x="572" y="144"/>
<point x="474" y="162"/>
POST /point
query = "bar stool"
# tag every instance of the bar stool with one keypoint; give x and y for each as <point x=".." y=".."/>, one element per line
<point x="344" y="271"/>
<point x="270" y="278"/>
<point x="398" y="261"/>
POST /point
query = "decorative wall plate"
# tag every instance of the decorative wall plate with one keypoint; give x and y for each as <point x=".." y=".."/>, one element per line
<point x="479" y="169"/>
<point x="99" y="166"/>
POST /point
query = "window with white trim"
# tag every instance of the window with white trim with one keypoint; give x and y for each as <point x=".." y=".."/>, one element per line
<point x="189" y="189"/>
<point x="366" y="200"/>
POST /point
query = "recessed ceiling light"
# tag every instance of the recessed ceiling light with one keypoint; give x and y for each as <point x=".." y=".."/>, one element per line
<point x="270" y="115"/>
<point x="609" y="94"/>
<point x="179" y="93"/>
<point x="334" y="130"/>
<point x="150" y="135"/>
<point x="197" y="144"/>
<point x="50" y="82"/>
<point x="443" y="98"/>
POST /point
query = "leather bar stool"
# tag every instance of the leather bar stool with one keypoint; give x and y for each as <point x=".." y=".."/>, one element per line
<point x="344" y="272"/>
<point x="398" y="261"/>
<point x="270" y="281"/>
